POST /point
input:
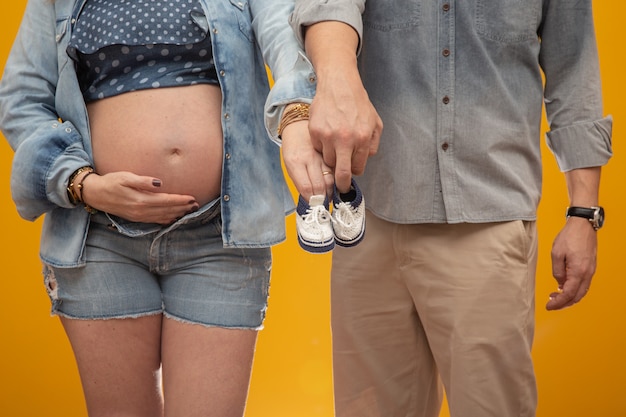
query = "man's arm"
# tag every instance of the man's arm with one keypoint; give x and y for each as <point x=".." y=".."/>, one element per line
<point x="330" y="141"/>
<point x="344" y="125"/>
<point x="579" y="137"/>
<point x="574" y="249"/>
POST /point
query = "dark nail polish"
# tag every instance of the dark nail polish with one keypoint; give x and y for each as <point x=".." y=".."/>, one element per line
<point x="156" y="182"/>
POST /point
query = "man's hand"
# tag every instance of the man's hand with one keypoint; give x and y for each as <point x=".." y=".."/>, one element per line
<point x="344" y="126"/>
<point x="573" y="262"/>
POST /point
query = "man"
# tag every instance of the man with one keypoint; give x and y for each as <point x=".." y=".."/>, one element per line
<point x="441" y="290"/>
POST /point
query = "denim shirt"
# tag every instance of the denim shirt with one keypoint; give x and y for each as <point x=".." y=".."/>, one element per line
<point x="44" y="119"/>
<point x="459" y="86"/>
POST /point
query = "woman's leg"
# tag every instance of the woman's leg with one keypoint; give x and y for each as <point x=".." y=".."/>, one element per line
<point x="206" y="370"/>
<point x="118" y="361"/>
<point x="214" y="301"/>
<point x="111" y="311"/>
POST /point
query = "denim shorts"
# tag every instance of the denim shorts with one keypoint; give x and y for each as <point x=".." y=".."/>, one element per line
<point x="181" y="271"/>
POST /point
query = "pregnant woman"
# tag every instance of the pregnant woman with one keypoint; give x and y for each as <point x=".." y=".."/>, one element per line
<point x="138" y="130"/>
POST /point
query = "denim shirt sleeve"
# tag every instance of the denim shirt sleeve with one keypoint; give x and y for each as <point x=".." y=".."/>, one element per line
<point x="579" y="135"/>
<point x="47" y="150"/>
<point x="307" y="12"/>
<point x="298" y="85"/>
<point x="292" y="73"/>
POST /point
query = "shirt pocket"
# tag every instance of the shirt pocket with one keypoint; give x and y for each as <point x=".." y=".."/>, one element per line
<point x="507" y="21"/>
<point x="244" y="18"/>
<point x="61" y="27"/>
<point x="392" y="15"/>
<point x="62" y="31"/>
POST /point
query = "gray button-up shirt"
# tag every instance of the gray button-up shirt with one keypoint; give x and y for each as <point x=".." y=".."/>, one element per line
<point x="460" y="87"/>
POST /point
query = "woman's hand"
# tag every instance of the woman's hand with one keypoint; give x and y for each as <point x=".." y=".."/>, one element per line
<point x="305" y="165"/>
<point x="135" y="198"/>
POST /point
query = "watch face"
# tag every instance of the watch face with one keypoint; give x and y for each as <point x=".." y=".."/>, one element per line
<point x="598" y="218"/>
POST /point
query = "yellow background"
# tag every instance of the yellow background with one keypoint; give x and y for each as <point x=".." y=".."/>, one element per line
<point x="579" y="352"/>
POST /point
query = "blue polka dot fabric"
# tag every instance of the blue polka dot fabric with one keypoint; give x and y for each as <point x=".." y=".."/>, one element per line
<point x="121" y="46"/>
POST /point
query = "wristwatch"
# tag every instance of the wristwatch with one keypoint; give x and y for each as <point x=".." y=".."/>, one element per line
<point x="595" y="215"/>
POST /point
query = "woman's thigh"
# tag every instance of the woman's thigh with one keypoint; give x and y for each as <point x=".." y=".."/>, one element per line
<point x="205" y="368"/>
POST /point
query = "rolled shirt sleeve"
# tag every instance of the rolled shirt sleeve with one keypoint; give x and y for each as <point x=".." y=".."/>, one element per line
<point x="580" y="134"/>
<point x="309" y="12"/>
<point x="582" y="145"/>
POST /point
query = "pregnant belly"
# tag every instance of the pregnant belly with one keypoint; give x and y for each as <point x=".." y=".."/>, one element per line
<point x="173" y="134"/>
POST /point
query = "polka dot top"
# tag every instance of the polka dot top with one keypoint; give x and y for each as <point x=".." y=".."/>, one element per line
<point x="129" y="45"/>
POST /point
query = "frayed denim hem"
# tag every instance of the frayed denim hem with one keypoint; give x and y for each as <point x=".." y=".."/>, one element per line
<point x="222" y="326"/>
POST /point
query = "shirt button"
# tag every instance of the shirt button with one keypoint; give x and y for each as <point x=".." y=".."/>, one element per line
<point x="227" y="156"/>
<point x="446" y="7"/>
<point x="226" y="197"/>
<point x="215" y="31"/>
<point x="446" y="100"/>
<point x="226" y="116"/>
<point x="446" y="52"/>
<point x="445" y="146"/>
<point x="222" y="73"/>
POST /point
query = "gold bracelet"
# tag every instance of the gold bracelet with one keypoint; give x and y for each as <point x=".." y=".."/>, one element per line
<point x="74" y="197"/>
<point x="80" y="185"/>
<point x="90" y="209"/>
<point x="295" y="114"/>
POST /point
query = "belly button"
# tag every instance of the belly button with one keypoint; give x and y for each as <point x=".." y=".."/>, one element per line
<point x="176" y="151"/>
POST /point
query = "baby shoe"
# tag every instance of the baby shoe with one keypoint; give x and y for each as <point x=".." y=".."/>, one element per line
<point x="314" y="225"/>
<point x="348" y="216"/>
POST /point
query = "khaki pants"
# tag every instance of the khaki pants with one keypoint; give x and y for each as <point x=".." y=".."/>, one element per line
<point x="415" y="306"/>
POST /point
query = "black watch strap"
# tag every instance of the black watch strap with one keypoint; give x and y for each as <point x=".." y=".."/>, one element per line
<point x="595" y="215"/>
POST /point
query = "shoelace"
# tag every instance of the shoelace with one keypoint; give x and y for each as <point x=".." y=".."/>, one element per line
<point x="344" y="214"/>
<point x="316" y="213"/>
